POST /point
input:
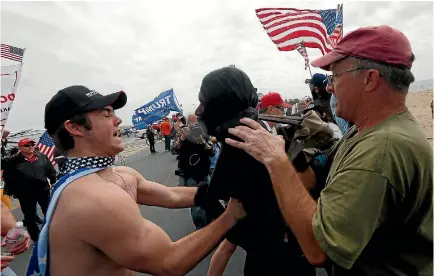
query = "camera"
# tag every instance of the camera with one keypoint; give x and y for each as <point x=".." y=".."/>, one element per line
<point x="195" y="131"/>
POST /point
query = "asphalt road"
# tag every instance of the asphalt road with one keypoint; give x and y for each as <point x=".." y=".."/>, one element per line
<point x="177" y="223"/>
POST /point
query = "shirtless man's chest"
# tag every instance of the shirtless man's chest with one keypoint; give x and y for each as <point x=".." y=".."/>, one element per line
<point x="70" y="253"/>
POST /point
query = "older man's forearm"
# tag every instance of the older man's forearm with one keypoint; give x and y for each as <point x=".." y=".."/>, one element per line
<point x="297" y="206"/>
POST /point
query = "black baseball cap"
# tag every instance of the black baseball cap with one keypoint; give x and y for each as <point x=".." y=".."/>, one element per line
<point x="77" y="99"/>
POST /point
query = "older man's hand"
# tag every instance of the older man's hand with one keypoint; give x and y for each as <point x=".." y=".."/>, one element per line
<point x="258" y="143"/>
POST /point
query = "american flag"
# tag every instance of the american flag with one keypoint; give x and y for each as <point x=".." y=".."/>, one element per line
<point x="12" y="53"/>
<point x="287" y="27"/>
<point x="47" y="147"/>
<point x="302" y="50"/>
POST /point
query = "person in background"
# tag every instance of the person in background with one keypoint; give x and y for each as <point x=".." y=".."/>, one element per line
<point x="8" y="221"/>
<point x="308" y="102"/>
<point x="320" y="95"/>
<point x="194" y="165"/>
<point x="151" y="138"/>
<point x="166" y="130"/>
<point x="8" y="189"/>
<point x="272" y="104"/>
<point x="299" y="107"/>
<point x="375" y="214"/>
<point x="180" y="121"/>
<point x="29" y="171"/>
<point x="4" y="141"/>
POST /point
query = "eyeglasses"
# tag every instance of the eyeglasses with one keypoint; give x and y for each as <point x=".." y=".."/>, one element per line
<point x="279" y="107"/>
<point x="330" y="77"/>
<point x="29" y="145"/>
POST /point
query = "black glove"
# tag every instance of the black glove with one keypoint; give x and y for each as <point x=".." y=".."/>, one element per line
<point x="212" y="206"/>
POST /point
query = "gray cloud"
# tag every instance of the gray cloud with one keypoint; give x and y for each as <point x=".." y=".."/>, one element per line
<point x="145" y="48"/>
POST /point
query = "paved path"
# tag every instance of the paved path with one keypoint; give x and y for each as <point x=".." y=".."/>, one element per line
<point x="177" y="223"/>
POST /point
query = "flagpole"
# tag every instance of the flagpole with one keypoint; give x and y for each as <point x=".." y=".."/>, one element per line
<point x="310" y="72"/>
<point x="24" y="50"/>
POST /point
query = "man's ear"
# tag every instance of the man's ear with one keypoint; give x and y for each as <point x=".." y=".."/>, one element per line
<point x="74" y="129"/>
<point x="372" y="80"/>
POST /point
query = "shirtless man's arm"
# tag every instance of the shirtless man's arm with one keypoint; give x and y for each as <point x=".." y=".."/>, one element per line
<point x="155" y="194"/>
<point x="111" y="222"/>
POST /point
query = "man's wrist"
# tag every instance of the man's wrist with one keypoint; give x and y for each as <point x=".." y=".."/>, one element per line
<point x="274" y="162"/>
<point x="228" y="219"/>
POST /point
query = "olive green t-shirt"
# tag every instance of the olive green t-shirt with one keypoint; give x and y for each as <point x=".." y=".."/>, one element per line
<point x="375" y="216"/>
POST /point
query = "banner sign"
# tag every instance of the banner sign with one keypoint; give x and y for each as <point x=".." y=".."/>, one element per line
<point x="10" y="77"/>
<point x="156" y="110"/>
<point x="139" y="123"/>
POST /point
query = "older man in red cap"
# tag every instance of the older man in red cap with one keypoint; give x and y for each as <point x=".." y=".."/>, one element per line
<point x="30" y="171"/>
<point x="375" y="215"/>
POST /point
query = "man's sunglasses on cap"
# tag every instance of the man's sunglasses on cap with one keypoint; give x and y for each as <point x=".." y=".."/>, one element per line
<point x="28" y="145"/>
<point x="279" y="107"/>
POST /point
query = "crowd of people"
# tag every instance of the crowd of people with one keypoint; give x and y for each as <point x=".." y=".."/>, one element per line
<point x="345" y="182"/>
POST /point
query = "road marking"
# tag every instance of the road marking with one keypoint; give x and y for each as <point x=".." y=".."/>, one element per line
<point x="133" y="148"/>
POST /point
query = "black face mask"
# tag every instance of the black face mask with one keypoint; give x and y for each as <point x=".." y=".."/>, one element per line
<point x="224" y="94"/>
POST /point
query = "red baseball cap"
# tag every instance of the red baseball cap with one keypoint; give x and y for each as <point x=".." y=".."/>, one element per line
<point x="273" y="99"/>
<point x="377" y="43"/>
<point x="25" y="141"/>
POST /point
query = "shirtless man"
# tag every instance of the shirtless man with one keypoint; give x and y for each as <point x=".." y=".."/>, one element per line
<point x="97" y="228"/>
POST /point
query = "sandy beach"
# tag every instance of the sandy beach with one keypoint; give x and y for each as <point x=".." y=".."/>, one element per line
<point x="419" y="105"/>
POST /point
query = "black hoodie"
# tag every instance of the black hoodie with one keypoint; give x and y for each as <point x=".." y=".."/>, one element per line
<point x="227" y="95"/>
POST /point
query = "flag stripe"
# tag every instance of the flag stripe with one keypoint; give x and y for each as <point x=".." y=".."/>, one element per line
<point x="11" y="52"/>
<point x="288" y="27"/>
<point x="47" y="147"/>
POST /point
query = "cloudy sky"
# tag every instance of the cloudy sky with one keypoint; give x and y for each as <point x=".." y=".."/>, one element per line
<point x="146" y="47"/>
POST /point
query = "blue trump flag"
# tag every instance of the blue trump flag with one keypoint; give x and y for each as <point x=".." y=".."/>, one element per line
<point x="156" y="110"/>
<point x="138" y="122"/>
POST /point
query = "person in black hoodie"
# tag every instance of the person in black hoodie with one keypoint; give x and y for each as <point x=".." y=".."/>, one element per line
<point x="226" y="96"/>
<point x="30" y="170"/>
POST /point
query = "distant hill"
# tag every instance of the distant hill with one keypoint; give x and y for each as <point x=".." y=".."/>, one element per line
<point x="418" y="86"/>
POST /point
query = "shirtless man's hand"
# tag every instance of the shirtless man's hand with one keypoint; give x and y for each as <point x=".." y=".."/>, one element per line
<point x="107" y="235"/>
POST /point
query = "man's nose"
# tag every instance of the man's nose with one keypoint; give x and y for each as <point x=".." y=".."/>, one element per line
<point x="118" y="120"/>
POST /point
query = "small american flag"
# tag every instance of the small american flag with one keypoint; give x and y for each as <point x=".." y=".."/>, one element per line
<point x="287" y="27"/>
<point x="12" y="53"/>
<point x="302" y="50"/>
<point x="47" y="147"/>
